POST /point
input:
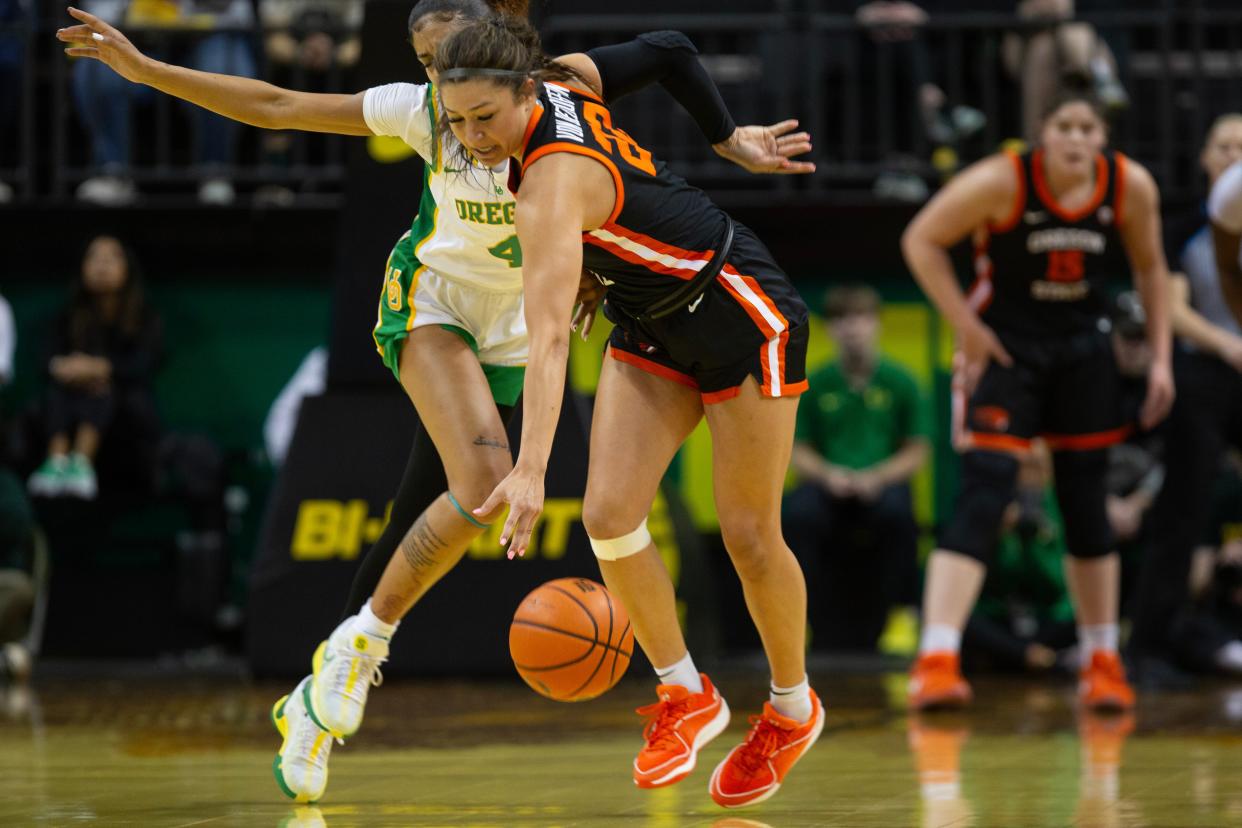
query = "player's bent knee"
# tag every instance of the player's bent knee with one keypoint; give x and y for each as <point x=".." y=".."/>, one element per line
<point x="623" y="546"/>
<point x="989" y="485"/>
<point x="751" y="543"/>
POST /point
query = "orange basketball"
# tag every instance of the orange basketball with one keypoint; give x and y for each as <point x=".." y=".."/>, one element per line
<point x="570" y="640"/>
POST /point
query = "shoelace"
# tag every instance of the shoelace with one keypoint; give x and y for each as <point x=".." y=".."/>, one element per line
<point x="369" y="671"/>
<point x="307" y="734"/>
<point x="760" y="742"/>
<point x="663" y="715"/>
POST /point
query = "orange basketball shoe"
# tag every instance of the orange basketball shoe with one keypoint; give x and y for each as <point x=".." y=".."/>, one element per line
<point x="678" y="725"/>
<point x="1102" y="684"/>
<point x="936" y="683"/>
<point x="755" y="769"/>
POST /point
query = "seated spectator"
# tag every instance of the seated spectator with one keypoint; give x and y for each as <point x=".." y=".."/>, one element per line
<point x="862" y="434"/>
<point x="105" y="349"/>
<point x="1057" y="52"/>
<point x="1024" y="620"/>
<point x="1207" y="634"/>
<point x="1207" y="367"/>
<point x="923" y="117"/>
<point x="105" y="99"/>
<point x="307" y="42"/>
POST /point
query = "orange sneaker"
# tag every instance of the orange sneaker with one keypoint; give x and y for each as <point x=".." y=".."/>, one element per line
<point x="678" y="725"/>
<point x="1102" y="684"/>
<point x="755" y="769"/>
<point x="936" y="683"/>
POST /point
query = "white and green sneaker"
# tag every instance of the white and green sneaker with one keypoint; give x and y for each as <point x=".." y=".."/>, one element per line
<point x="49" y="479"/>
<point x="346" y="665"/>
<point x="301" y="766"/>
<point x="79" y="479"/>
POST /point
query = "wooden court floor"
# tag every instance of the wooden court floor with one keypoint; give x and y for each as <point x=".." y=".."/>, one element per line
<point x="190" y="752"/>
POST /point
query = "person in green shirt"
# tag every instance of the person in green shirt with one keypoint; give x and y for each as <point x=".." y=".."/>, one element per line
<point x="862" y="433"/>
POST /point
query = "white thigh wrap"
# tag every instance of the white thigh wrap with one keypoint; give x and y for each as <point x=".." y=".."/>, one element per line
<point x="616" y="548"/>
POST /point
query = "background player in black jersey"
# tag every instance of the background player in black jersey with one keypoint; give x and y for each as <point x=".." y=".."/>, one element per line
<point x="732" y="349"/>
<point x="1047" y="228"/>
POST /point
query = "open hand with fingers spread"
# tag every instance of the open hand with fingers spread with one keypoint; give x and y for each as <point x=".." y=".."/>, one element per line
<point x="93" y="38"/>
<point x="768" y="149"/>
<point x="522" y="489"/>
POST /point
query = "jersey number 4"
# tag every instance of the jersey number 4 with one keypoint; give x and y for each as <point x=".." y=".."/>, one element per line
<point x="616" y="141"/>
<point x="509" y="250"/>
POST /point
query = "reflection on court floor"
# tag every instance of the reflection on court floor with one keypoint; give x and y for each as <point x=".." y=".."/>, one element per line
<point x="191" y="752"/>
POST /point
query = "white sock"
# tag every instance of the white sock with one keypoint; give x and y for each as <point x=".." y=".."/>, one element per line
<point x="940" y="638"/>
<point x="793" y="702"/>
<point x="683" y="674"/>
<point x="1229" y="657"/>
<point x="1101" y="637"/>
<point x="372" y="625"/>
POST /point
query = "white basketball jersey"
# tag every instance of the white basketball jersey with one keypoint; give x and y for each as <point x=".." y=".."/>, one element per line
<point x="464" y="228"/>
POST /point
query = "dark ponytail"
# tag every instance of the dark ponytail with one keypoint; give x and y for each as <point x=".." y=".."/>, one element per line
<point x="446" y="11"/>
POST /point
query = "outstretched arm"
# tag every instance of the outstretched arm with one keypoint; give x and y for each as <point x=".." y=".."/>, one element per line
<point x="241" y="99"/>
<point x="670" y="59"/>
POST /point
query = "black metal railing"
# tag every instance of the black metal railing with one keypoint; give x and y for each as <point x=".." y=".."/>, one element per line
<point x="1181" y="64"/>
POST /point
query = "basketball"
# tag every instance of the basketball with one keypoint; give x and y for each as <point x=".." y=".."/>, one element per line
<point x="570" y="640"/>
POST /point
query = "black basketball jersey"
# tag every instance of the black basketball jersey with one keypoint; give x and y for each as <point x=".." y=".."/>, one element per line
<point x="662" y="231"/>
<point x="1045" y="268"/>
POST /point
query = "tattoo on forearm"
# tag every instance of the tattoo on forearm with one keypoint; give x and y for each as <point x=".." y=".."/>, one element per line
<point x="421" y="546"/>
<point x="499" y="444"/>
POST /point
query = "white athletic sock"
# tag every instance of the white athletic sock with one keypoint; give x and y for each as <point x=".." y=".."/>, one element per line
<point x="793" y="702"/>
<point x="372" y="625"/>
<point x="1229" y="657"/>
<point x="1093" y="637"/>
<point x="683" y="674"/>
<point x="940" y="638"/>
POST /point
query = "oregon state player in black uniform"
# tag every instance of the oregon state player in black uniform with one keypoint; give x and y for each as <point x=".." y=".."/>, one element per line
<point x="1049" y="228"/>
<point x="707" y="325"/>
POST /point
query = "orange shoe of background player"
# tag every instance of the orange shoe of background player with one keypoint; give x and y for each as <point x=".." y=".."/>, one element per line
<point x="936" y="683"/>
<point x="1102" y="684"/>
<point x="755" y="769"/>
<point x="678" y="725"/>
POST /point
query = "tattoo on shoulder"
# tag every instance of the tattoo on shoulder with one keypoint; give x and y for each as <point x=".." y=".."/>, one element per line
<point x="497" y="444"/>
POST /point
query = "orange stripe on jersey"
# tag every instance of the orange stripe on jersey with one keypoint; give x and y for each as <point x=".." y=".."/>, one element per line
<point x="651" y="261"/>
<point x="531" y="123"/>
<point x="1087" y="442"/>
<point x="997" y="442"/>
<point x="657" y="245"/>
<point x="1046" y="196"/>
<point x="1011" y="220"/>
<point x="560" y="146"/>
<point x="1119" y="189"/>
<point x="586" y="93"/>
<point x="980" y="294"/>
<point x="653" y="368"/>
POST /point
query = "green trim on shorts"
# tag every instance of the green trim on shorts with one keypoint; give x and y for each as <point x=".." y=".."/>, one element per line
<point x="505" y="381"/>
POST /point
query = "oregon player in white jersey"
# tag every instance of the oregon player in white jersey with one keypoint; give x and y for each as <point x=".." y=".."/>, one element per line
<point x="459" y="266"/>
<point x="450" y="324"/>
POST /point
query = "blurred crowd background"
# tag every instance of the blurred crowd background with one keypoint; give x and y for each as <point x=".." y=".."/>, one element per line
<point x="168" y="285"/>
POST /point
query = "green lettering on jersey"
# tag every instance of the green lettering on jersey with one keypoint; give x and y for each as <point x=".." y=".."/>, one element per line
<point x="510" y="206"/>
<point x="509" y="250"/>
<point x="493" y="212"/>
<point x="476" y="211"/>
<point x="461" y="209"/>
